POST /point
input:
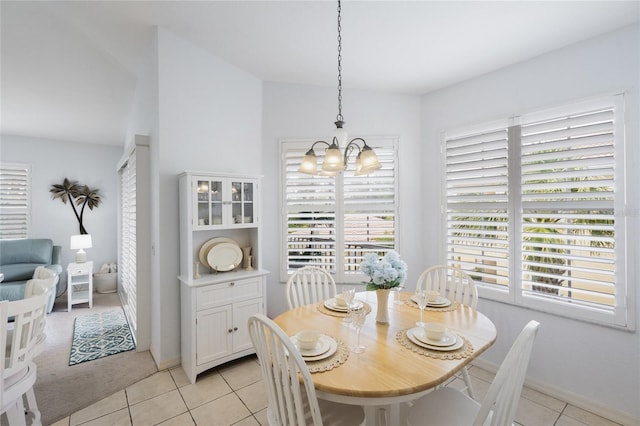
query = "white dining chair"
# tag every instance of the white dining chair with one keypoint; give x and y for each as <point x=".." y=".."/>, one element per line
<point x="292" y="398"/>
<point x="20" y="345"/>
<point x="309" y="284"/>
<point x="452" y="283"/>
<point x="448" y="406"/>
<point x="456" y="285"/>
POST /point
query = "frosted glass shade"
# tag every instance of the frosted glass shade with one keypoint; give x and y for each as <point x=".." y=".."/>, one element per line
<point x="309" y="163"/>
<point x="333" y="159"/>
<point x="368" y="162"/>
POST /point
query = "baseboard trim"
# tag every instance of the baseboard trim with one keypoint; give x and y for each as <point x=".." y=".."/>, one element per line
<point x="164" y="364"/>
<point x="574" y="399"/>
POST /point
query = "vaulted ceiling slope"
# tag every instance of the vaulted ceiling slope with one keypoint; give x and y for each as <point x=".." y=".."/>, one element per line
<point x="69" y="68"/>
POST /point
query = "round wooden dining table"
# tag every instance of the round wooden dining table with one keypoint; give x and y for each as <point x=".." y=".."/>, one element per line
<point x="388" y="373"/>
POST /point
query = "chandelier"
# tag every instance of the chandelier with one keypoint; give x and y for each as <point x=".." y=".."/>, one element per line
<point x="335" y="161"/>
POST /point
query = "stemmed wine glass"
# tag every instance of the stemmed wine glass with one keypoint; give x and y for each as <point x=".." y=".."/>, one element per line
<point x="358" y="318"/>
<point x="421" y="298"/>
<point x="348" y="293"/>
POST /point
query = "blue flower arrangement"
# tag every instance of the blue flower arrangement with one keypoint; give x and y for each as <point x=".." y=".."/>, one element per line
<point x="385" y="273"/>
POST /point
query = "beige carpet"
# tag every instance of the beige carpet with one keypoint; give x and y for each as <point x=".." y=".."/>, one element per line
<point x="62" y="390"/>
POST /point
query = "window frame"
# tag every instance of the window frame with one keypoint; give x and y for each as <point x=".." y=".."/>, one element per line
<point x="622" y="314"/>
<point x="26" y="210"/>
<point x="339" y="274"/>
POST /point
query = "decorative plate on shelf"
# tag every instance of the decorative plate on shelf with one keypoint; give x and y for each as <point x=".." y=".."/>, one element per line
<point x="208" y="245"/>
<point x="224" y="256"/>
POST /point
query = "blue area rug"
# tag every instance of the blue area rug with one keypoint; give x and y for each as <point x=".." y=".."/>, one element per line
<point x="99" y="335"/>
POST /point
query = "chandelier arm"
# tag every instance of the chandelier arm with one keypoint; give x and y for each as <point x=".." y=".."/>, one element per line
<point x="350" y="147"/>
<point x="317" y="142"/>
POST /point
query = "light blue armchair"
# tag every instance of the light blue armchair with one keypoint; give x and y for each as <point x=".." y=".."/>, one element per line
<point x="18" y="261"/>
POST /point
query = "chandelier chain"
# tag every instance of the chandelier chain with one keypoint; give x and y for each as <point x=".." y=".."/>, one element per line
<point x="339" y="117"/>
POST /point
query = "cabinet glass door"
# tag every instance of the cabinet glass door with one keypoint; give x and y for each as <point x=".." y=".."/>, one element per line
<point x="242" y="202"/>
<point x="209" y="211"/>
<point x="248" y="215"/>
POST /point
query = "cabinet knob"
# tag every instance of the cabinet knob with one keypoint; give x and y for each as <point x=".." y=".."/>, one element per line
<point x="231" y="284"/>
<point x="230" y="331"/>
<point x="235" y="328"/>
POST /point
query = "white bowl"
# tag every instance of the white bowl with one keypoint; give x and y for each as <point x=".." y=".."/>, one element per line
<point x="434" y="331"/>
<point x="307" y="339"/>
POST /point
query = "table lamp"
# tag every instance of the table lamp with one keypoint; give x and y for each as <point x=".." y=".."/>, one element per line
<point x="80" y="242"/>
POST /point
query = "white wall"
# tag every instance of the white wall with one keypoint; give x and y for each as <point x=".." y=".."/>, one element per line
<point x="597" y="364"/>
<point x="306" y="112"/>
<point x="89" y="164"/>
<point x="209" y="119"/>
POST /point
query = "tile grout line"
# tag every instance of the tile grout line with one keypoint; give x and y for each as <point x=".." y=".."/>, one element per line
<point x="183" y="400"/>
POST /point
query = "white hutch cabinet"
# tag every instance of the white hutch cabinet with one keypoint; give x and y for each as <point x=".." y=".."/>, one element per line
<point x="215" y="306"/>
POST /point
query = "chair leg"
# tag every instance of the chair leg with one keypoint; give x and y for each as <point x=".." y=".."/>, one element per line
<point x="15" y="414"/>
<point x="467" y="380"/>
<point x="32" y="407"/>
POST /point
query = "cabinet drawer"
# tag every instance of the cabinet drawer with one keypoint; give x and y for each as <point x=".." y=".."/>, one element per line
<point x="220" y="294"/>
<point x="79" y="270"/>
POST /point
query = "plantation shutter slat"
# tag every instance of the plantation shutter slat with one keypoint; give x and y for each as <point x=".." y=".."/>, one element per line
<point x="14" y="201"/>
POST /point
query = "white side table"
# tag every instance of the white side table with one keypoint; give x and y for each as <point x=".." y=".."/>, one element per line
<point x="79" y="284"/>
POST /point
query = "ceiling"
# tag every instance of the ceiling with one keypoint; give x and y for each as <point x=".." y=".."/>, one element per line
<point x="69" y="69"/>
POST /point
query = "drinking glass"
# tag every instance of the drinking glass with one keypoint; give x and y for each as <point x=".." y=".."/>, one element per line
<point x="358" y="318"/>
<point x="348" y="293"/>
<point x="398" y="290"/>
<point x="421" y="297"/>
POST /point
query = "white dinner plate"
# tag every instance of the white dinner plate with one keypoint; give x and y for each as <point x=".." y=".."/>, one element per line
<point x="204" y="250"/>
<point x="448" y="339"/>
<point x="333" y="347"/>
<point x="411" y="334"/>
<point x="323" y="345"/>
<point x="224" y="256"/>
<point x="331" y="304"/>
<point x="440" y="302"/>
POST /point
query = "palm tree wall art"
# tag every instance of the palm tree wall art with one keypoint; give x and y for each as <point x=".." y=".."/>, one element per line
<point x="78" y="195"/>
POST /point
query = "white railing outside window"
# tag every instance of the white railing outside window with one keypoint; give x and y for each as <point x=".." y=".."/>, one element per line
<point x="332" y="222"/>
<point x="535" y="209"/>
<point x="15" y="201"/>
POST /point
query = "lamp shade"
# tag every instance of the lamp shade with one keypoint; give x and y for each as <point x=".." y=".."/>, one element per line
<point x="369" y="161"/>
<point x="80" y="241"/>
<point x="333" y="159"/>
<point x="309" y="163"/>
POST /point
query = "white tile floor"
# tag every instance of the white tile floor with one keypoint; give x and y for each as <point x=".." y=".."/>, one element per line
<point x="233" y="394"/>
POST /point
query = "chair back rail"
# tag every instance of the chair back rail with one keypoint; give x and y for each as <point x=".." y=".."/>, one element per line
<point x="453" y="283"/>
<point x="29" y="317"/>
<point x="309" y="285"/>
<point x="501" y="400"/>
<point x="291" y="401"/>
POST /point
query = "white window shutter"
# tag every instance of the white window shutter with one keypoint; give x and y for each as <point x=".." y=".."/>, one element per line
<point x="15" y="201"/>
<point x="332" y="222"/>
<point x="535" y="210"/>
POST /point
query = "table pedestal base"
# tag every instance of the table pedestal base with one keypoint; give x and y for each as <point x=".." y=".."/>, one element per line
<point x="390" y="411"/>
